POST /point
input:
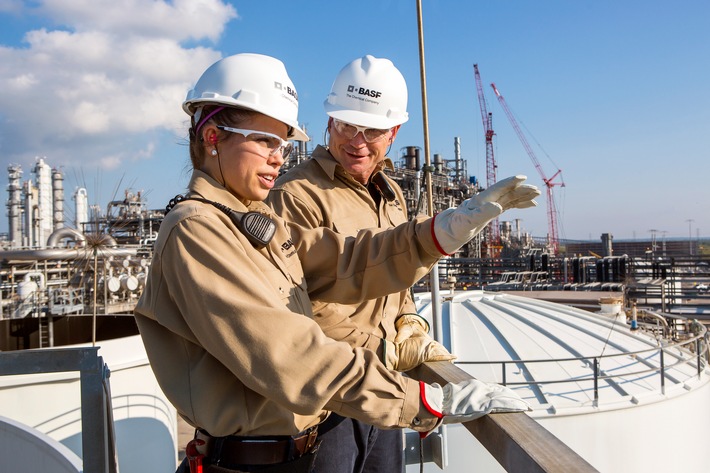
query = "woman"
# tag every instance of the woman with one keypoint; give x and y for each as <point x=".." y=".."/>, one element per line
<point x="226" y="312"/>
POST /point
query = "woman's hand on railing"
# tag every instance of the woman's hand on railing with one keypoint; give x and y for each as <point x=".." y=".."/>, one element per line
<point x="469" y="400"/>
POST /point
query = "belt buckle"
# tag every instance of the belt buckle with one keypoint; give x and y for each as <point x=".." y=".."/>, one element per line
<point x="312" y="435"/>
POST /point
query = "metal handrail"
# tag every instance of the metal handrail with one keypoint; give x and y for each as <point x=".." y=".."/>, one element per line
<point x="515" y="440"/>
<point x="594" y="363"/>
<point x="97" y="435"/>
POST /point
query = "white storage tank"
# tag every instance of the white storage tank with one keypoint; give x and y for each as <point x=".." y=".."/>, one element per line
<point x="646" y="409"/>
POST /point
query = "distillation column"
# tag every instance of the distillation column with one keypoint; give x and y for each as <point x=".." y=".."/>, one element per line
<point x="44" y="204"/>
<point x="81" y="208"/>
<point x="14" y="205"/>
<point x="58" y="198"/>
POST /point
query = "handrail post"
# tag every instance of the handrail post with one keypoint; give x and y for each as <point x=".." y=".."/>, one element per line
<point x="94" y="428"/>
<point x="505" y="379"/>
<point x="663" y="373"/>
<point x="596" y="380"/>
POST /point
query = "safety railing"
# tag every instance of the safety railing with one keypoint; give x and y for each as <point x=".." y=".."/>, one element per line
<point x="696" y="347"/>
<point x="97" y="435"/>
<point x="515" y="440"/>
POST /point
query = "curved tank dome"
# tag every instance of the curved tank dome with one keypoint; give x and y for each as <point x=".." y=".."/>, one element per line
<point x="559" y="357"/>
<point x="615" y="396"/>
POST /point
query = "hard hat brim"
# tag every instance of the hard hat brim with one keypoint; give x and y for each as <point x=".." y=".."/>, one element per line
<point x="357" y="117"/>
<point x="189" y="106"/>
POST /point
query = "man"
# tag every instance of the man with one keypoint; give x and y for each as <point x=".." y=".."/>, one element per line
<point x="343" y="187"/>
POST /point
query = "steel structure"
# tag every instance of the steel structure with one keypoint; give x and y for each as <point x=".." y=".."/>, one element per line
<point x="493" y="239"/>
<point x="549" y="182"/>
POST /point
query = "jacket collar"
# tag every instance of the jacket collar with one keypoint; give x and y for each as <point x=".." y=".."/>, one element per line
<point x="204" y="186"/>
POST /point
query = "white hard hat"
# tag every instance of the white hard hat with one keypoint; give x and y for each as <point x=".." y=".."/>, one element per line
<point x="369" y="92"/>
<point x="252" y="81"/>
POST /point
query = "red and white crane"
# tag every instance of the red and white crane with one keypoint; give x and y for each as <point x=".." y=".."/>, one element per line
<point x="549" y="182"/>
<point x="491" y="166"/>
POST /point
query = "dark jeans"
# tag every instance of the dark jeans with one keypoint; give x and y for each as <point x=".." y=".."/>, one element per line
<point x="354" y="447"/>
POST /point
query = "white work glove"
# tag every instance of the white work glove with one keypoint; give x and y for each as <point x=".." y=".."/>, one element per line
<point x="468" y="400"/>
<point x="510" y="193"/>
<point x="454" y="227"/>
<point x="412" y="345"/>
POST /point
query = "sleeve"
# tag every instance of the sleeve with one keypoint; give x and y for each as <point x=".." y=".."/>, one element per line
<point x="239" y="316"/>
<point x="369" y="265"/>
<point x="336" y="323"/>
<point x="294" y="209"/>
<point x="408" y="306"/>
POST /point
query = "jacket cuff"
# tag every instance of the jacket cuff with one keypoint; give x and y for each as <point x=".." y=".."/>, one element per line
<point x="433" y="236"/>
<point x="414" y="415"/>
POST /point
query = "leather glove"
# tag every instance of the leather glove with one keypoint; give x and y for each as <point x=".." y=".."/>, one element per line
<point x="454" y="227"/>
<point x="468" y="400"/>
<point x="413" y="351"/>
<point x="409" y="324"/>
<point x="413" y="346"/>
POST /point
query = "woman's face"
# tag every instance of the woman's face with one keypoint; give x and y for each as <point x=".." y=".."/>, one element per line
<point x="243" y="165"/>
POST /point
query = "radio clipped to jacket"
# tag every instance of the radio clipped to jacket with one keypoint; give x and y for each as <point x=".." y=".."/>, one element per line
<point x="258" y="228"/>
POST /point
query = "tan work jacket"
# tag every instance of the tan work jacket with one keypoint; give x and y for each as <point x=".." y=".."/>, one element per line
<point x="320" y="193"/>
<point x="228" y="328"/>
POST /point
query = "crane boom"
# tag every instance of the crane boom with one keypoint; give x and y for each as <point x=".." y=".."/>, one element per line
<point x="487" y="119"/>
<point x="491" y="166"/>
<point x="549" y="182"/>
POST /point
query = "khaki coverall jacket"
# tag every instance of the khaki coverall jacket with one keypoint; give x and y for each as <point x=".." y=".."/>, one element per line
<point x="320" y="193"/>
<point x="229" y="332"/>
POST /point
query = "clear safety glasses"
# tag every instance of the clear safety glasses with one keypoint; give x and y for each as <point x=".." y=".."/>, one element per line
<point x="350" y="131"/>
<point x="266" y="140"/>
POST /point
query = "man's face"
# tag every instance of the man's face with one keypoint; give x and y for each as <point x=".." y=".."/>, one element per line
<point x="351" y="148"/>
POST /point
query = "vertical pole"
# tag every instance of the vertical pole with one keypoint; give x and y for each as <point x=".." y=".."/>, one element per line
<point x="94" y="429"/>
<point x="663" y="297"/>
<point x="690" y="236"/>
<point x="596" y="380"/>
<point x="93" y="319"/>
<point x="663" y="373"/>
<point x="434" y="275"/>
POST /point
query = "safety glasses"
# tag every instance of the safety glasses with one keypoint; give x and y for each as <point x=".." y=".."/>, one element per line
<point x="266" y="140"/>
<point x="350" y="131"/>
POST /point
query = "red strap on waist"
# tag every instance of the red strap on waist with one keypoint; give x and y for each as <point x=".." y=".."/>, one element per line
<point x="194" y="457"/>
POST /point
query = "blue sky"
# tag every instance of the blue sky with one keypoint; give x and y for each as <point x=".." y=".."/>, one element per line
<point x="613" y="93"/>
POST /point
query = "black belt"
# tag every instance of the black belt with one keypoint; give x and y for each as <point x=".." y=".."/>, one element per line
<point x="263" y="450"/>
<point x="330" y="423"/>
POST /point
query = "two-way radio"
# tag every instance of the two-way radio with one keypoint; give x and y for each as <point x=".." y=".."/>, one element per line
<point x="380" y="182"/>
<point x="258" y="228"/>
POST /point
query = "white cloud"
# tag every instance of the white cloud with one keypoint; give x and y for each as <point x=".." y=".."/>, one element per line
<point x="111" y="71"/>
<point x="111" y="162"/>
<point x="179" y="19"/>
<point x="11" y="6"/>
<point x="22" y="82"/>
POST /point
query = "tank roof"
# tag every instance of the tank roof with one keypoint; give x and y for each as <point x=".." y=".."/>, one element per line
<point x="560" y="358"/>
